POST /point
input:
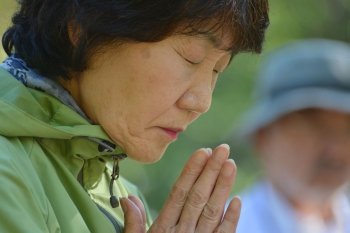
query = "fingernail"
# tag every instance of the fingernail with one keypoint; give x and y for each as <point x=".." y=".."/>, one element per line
<point x="209" y="150"/>
<point x="225" y="146"/>
<point x="232" y="161"/>
<point x="237" y="203"/>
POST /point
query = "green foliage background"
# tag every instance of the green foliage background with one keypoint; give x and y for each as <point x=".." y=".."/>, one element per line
<point x="290" y="20"/>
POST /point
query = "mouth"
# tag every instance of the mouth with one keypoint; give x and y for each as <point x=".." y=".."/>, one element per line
<point x="173" y="133"/>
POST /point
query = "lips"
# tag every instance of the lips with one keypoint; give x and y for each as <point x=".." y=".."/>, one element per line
<point x="172" y="132"/>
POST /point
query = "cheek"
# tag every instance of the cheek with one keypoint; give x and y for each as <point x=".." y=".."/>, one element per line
<point x="287" y="156"/>
<point x="130" y="124"/>
<point x="154" y="96"/>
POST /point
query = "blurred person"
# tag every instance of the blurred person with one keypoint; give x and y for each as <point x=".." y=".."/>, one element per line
<point x="299" y="129"/>
<point x="90" y="83"/>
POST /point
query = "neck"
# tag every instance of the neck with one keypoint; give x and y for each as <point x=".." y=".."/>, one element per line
<point x="71" y="85"/>
<point x="305" y="208"/>
<point x="310" y="203"/>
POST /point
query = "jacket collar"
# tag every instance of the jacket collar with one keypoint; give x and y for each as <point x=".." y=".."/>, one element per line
<point x="28" y="112"/>
<point x="53" y="112"/>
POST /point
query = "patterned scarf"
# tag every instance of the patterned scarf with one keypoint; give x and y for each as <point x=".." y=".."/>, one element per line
<point x="32" y="79"/>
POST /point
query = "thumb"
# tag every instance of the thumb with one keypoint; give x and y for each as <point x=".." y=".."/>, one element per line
<point x="133" y="217"/>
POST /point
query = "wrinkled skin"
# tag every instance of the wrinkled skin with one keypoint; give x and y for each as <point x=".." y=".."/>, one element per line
<point x="196" y="202"/>
<point x="306" y="155"/>
<point x="144" y="95"/>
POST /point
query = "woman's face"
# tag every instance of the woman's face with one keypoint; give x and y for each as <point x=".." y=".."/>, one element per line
<point x="145" y="94"/>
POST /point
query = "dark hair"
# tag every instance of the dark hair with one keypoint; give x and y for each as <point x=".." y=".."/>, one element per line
<point x="40" y="30"/>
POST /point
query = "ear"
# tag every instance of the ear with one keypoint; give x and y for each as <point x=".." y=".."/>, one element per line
<point x="73" y="33"/>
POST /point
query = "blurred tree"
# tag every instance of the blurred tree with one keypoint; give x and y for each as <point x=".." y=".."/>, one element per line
<point x="337" y="24"/>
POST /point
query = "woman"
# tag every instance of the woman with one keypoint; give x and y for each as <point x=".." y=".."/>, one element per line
<point x="89" y="83"/>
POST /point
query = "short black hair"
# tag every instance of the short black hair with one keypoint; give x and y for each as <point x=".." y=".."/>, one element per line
<point x="40" y="31"/>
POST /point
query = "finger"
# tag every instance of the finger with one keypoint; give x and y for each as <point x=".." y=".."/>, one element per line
<point x="212" y="212"/>
<point x="133" y="222"/>
<point x="202" y="189"/>
<point x="231" y="217"/>
<point x="171" y="211"/>
<point x="140" y="205"/>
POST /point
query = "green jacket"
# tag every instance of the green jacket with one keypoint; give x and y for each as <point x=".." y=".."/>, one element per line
<point x="44" y="147"/>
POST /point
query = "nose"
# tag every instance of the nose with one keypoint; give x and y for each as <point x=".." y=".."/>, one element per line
<point x="197" y="98"/>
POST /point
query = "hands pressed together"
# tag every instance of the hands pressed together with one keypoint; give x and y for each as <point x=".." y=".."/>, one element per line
<point x="197" y="200"/>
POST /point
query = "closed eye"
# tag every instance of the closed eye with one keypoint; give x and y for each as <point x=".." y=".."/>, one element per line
<point x="191" y="62"/>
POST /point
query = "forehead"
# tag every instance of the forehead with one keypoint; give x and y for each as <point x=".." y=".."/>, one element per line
<point x="220" y="35"/>
<point x="317" y="116"/>
<point x="319" y="112"/>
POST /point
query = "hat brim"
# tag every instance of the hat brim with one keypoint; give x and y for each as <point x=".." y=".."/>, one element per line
<point x="270" y="110"/>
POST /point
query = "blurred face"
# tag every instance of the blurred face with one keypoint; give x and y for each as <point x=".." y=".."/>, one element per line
<point x="145" y="94"/>
<point x="307" y="153"/>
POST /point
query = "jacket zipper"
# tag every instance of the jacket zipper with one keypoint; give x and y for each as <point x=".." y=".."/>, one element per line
<point x="114" y="201"/>
<point x="116" y="225"/>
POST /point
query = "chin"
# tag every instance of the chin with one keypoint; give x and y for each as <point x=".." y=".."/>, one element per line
<point x="146" y="156"/>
